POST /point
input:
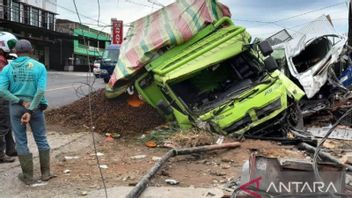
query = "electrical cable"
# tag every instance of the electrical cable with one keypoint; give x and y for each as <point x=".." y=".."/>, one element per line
<point x="294" y="16"/>
<point x="137" y="3"/>
<point x="318" y="148"/>
<point x="90" y="86"/>
<point x="72" y="11"/>
<point x="291" y="17"/>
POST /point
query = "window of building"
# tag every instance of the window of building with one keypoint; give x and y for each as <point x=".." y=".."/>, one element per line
<point x="6" y="9"/>
<point x="26" y="14"/>
<point x="35" y="17"/>
<point x="15" y="11"/>
<point x="44" y="19"/>
<point x="93" y="43"/>
<point x="102" y="44"/>
<point x="51" y="21"/>
<point x="81" y="40"/>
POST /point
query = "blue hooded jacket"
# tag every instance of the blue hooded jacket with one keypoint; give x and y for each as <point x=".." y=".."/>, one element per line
<point x="26" y="79"/>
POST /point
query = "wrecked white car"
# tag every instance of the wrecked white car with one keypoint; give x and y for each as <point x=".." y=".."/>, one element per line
<point x="311" y="52"/>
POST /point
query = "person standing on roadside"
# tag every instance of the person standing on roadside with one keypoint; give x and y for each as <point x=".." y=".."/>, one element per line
<point x="23" y="83"/>
<point x="7" y="144"/>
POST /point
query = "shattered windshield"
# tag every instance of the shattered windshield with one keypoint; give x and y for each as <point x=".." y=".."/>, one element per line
<point x="219" y="82"/>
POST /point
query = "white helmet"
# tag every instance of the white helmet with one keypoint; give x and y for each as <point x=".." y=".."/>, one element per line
<point x="7" y="41"/>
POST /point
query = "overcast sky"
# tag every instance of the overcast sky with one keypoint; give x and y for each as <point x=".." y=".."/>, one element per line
<point x="261" y="17"/>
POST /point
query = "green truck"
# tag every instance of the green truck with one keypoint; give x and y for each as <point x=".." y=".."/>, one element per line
<point x="219" y="81"/>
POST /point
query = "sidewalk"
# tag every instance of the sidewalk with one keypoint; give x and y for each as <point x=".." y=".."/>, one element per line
<point x="160" y="192"/>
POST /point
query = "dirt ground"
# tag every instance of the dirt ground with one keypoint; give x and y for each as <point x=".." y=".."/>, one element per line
<point x="76" y="166"/>
<point x="79" y="169"/>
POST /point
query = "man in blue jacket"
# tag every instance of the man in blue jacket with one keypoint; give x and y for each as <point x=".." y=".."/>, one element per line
<point x="23" y="83"/>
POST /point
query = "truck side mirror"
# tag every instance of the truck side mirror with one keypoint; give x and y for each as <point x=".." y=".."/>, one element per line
<point x="265" y="48"/>
<point x="270" y="64"/>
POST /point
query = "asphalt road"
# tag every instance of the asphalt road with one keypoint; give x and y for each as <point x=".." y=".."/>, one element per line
<point x="66" y="87"/>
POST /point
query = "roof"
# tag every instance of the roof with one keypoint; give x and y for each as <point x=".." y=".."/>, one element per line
<point x="214" y="48"/>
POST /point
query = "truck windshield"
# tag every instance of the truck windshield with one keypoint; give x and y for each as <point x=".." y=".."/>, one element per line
<point x="111" y="55"/>
<point x="218" y="83"/>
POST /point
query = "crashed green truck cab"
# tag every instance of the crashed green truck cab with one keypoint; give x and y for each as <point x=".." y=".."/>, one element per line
<point x="217" y="81"/>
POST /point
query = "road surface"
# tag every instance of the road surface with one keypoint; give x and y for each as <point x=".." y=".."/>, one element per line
<point x="66" y="87"/>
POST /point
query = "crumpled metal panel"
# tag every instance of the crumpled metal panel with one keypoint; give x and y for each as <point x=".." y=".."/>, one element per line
<point x="316" y="76"/>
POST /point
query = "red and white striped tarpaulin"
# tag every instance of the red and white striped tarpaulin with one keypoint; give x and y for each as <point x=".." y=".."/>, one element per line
<point x="167" y="27"/>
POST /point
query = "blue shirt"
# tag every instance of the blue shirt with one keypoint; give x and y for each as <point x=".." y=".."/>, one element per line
<point x="24" y="78"/>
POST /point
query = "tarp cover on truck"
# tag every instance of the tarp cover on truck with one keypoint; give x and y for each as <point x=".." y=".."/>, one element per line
<point x="167" y="27"/>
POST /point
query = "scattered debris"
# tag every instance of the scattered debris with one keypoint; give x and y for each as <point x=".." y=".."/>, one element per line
<point x="154" y="158"/>
<point x="217" y="173"/>
<point x="192" y="138"/>
<point x="84" y="193"/>
<point x="99" y="154"/>
<point x="171" y="181"/>
<point x="67" y="171"/>
<point x="127" y="178"/>
<point x="340" y="132"/>
<point x="139" y="157"/>
<point x="150" y="144"/>
<point x="38" y="184"/>
<point x="142" y="184"/>
<point x="325" y="156"/>
<point x="220" y="140"/>
<point x="225" y="166"/>
<point x="103" y="166"/>
<point x="71" y="157"/>
<point x="273" y="173"/>
<point x="347" y="158"/>
<point x="210" y="194"/>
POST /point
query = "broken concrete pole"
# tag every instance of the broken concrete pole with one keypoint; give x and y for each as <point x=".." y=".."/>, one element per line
<point x="323" y="155"/>
<point x="142" y="184"/>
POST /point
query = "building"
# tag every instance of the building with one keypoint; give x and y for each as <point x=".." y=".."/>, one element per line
<point x="37" y="13"/>
<point x="34" y="20"/>
<point x="58" y="43"/>
<point x="87" y="42"/>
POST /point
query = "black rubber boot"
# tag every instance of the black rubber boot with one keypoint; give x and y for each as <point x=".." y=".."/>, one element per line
<point x="26" y="162"/>
<point x="44" y="158"/>
<point x="10" y="145"/>
<point x="3" y="157"/>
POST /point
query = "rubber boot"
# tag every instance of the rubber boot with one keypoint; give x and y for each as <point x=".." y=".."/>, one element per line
<point x="26" y="162"/>
<point x="10" y="145"/>
<point x="44" y="158"/>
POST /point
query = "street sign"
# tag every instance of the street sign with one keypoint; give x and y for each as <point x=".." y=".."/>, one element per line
<point x="117" y="31"/>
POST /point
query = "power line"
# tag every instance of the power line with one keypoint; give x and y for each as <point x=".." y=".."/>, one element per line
<point x="72" y="11"/>
<point x="291" y="17"/>
<point x="90" y="86"/>
<point x="157" y="3"/>
<point x="139" y="4"/>
<point x="311" y="11"/>
<point x="295" y="26"/>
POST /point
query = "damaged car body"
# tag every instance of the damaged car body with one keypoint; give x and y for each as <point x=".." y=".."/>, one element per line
<point x="315" y="59"/>
<point x="219" y="81"/>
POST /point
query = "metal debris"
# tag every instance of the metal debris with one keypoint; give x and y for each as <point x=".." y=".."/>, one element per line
<point x="139" y="157"/>
<point x="172" y="181"/>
